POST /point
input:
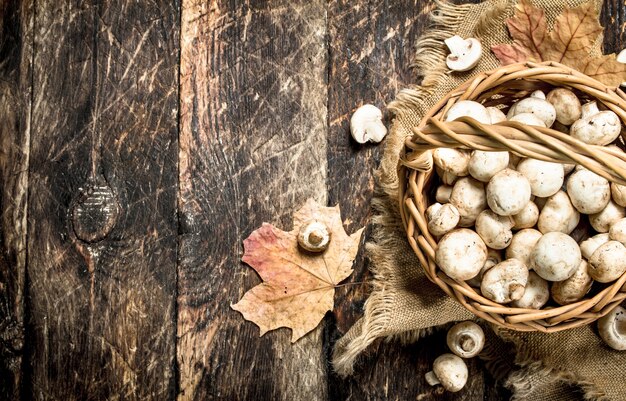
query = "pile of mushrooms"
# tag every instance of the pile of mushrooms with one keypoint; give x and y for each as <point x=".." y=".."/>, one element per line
<point x="503" y="222"/>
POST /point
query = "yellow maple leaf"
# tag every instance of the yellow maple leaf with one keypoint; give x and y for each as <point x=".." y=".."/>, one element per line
<point x="570" y="42"/>
<point x="298" y="287"/>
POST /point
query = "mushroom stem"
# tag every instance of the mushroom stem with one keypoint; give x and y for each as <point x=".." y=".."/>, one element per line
<point x="431" y="379"/>
<point x="467" y="343"/>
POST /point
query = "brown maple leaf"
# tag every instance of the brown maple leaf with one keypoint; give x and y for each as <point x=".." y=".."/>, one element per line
<point x="298" y="287"/>
<point x="570" y="42"/>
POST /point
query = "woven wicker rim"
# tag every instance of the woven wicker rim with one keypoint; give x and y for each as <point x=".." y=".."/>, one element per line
<point x="415" y="174"/>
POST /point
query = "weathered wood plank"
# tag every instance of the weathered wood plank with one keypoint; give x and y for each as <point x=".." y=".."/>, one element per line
<point x="16" y="50"/>
<point x="102" y="202"/>
<point x="253" y="135"/>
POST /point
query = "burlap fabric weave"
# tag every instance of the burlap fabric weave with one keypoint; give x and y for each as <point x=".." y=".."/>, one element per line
<point x="404" y="305"/>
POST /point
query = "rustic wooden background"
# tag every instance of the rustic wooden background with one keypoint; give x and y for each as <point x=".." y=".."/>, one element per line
<point x="141" y="142"/>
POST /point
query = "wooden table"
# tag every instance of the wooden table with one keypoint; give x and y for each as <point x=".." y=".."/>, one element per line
<point x="141" y="142"/>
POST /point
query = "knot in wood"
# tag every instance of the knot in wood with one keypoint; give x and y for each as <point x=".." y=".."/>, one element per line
<point x="95" y="213"/>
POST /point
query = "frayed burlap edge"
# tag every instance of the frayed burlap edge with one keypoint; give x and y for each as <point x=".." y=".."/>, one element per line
<point x="430" y="57"/>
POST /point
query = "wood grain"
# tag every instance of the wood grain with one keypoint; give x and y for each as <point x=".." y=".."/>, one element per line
<point x="253" y="135"/>
<point x="102" y="237"/>
<point x="16" y="51"/>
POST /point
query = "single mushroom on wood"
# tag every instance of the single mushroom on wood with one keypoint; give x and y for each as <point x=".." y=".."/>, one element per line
<point x="366" y="124"/>
<point x="466" y="339"/>
<point x="450" y="371"/>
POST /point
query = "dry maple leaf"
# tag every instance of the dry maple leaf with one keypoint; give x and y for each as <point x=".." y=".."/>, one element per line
<point x="298" y="288"/>
<point x="570" y="42"/>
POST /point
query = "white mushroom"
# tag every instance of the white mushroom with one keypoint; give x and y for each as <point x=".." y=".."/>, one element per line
<point x="545" y="178"/>
<point x="527" y="217"/>
<point x="314" y="236"/>
<point x="601" y="222"/>
<point x="464" y="53"/>
<point x="493" y="258"/>
<point x="508" y="192"/>
<point x="505" y="281"/>
<point x="558" y="214"/>
<point x="468" y="196"/>
<point x="461" y="254"/>
<point x="528" y="119"/>
<point x="537" y="105"/>
<point x="466" y="339"/>
<point x="612" y="328"/>
<point x="566" y="104"/>
<point x="608" y="262"/>
<point x="497" y="116"/>
<point x="617" y="232"/>
<point x="366" y="124"/>
<point x="522" y="245"/>
<point x="590" y="245"/>
<point x="574" y="288"/>
<point x="443" y="193"/>
<point x="468" y="108"/>
<point x="453" y="163"/>
<point x="536" y="293"/>
<point x="618" y="192"/>
<point x="494" y="229"/>
<point x="596" y="127"/>
<point x="450" y="371"/>
<point x="484" y="165"/>
<point x="442" y="218"/>
<point x="555" y="257"/>
<point x="588" y="192"/>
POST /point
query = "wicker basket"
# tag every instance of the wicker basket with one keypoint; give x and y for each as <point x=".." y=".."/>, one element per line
<point x="505" y="85"/>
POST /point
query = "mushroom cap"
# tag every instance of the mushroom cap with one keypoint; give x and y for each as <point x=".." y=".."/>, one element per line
<point x="589" y="246"/>
<point x="555" y="257"/>
<point x="466" y="339"/>
<point x="602" y="221"/>
<point x="557" y="214"/>
<point x="612" y="328"/>
<point x="541" y="108"/>
<point x="528" y="217"/>
<point x="618" y="192"/>
<point x="536" y="293"/>
<point x="566" y="104"/>
<point x="314" y="236"/>
<point x="545" y="178"/>
<point x="454" y="161"/>
<point x="617" y="232"/>
<point x="468" y="108"/>
<point x="461" y="254"/>
<point x="495" y="230"/>
<point x="451" y="372"/>
<point x="522" y="245"/>
<point x="596" y="127"/>
<point x="443" y="193"/>
<point x="366" y="124"/>
<point x="484" y="165"/>
<point x="588" y="192"/>
<point x="497" y="116"/>
<point x="528" y="119"/>
<point x="505" y="281"/>
<point x="442" y="218"/>
<point x="468" y="195"/>
<point x="608" y="262"/>
<point x="508" y="192"/>
<point x="574" y="288"/>
<point x="464" y="53"/>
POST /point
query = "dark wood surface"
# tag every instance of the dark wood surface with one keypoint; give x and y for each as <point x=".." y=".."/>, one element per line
<point x="141" y="142"/>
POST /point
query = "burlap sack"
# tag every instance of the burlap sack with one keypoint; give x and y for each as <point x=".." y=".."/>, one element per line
<point x="404" y="305"/>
